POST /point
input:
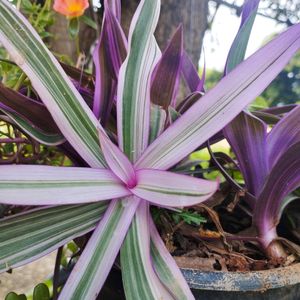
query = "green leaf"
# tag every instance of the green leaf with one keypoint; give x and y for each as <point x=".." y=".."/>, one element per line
<point x="12" y="296"/>
<point x="73" y="27"/>
<point x="88" y="21"/>
<point x="41" y="292"/>
<point x="188" y="217"/>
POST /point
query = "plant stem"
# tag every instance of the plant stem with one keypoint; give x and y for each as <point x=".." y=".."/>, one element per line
<point x="20" y="82"/>
<point x="272" y="247"/>
<point x="56" y="272"/>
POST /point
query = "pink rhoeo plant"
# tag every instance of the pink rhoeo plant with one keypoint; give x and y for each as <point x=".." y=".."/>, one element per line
<point x="129" y="167"/>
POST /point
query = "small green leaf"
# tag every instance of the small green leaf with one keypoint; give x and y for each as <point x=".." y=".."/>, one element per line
<point x="189" y="217"/>
<point x="88" y="21"/>
<point x="41" y="292"/>
<point x="73" y="27"/>
<point x="14" y="296"/>
<point x="27" y="5"/>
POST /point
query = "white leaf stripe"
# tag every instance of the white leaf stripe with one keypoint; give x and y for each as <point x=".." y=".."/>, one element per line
<point x="65" y="104"/>
<point x="48" y="228"/>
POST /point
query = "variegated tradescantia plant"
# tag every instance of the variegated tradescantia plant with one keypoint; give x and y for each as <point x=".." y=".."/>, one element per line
<point x="127" y="164"/>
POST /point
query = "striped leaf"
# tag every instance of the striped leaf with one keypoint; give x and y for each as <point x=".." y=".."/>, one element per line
<point x="139" y="279"/>
<point x="166" y="267"/>
<point x="169" y="189"/>
<point x="39" y="135"/>
<point x="157" y="122"/>
<point x="134" y="84"/>
<point x="28" y="236"/>
<point x="45" y="185"/>
<point x="108" y="56"/>
<point x="222" y="103"/>
<point x="95" y="262"/>
<point x="68" y="109"/>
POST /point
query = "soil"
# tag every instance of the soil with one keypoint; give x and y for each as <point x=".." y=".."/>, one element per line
<point x="214" y="245"/>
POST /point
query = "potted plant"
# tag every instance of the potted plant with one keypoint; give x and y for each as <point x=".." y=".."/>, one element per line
<point x="122" y="168"/>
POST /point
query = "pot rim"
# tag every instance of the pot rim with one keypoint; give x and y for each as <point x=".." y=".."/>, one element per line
<point x="258" y="281"/>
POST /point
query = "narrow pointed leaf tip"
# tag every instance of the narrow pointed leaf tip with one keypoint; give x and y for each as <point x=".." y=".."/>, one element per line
<point x="170" y="189"/>
<point x="239" y="46"/>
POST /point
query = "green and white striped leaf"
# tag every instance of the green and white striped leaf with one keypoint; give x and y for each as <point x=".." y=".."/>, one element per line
<point x="169" y="189"/>
<point x="157" y="122"/>
<point x="95" y="262"/>
<point x="68" y="109"/>
<point x="139" y="278"/>
<point x="135" y="81"/>
<point x="34" y="132"/>
<point x="45" y="185"/>
<point x="28" y="236"/>
<point x="166" y="267"/>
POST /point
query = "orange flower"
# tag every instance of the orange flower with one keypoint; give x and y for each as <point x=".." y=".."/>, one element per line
<point x="71" y="8"/>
